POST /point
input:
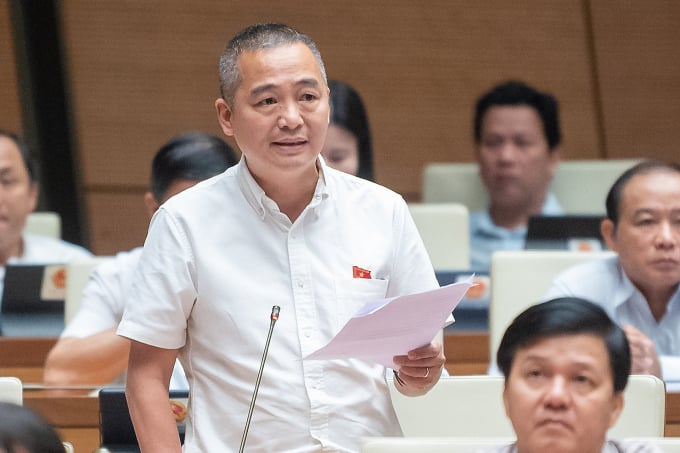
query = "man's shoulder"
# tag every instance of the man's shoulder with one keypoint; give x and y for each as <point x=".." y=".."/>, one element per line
<point x="46" y="249"/>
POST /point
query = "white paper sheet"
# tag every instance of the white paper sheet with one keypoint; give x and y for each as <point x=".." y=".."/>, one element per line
<point x="389" y="327"/>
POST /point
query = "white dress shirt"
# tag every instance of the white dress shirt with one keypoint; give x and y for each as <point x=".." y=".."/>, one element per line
<point x="605" y="283"/>
<point x="218" y="257"/>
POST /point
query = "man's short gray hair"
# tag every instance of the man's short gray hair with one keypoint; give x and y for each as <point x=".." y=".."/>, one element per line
<point x="253" y="38"/>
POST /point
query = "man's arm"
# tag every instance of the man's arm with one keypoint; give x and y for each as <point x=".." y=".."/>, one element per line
<point x="149" y="371"/>
<point x="420" y="370"/>
<point x="96" y="359"/>
<point x="644" y="357"/>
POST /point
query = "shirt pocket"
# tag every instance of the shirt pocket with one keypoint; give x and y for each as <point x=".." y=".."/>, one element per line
<point x="354" y="293"/>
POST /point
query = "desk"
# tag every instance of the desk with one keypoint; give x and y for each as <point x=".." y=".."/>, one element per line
<point x="466" y="352"/>
<point x="24" y="357"/>
<point x="672" y="415"/>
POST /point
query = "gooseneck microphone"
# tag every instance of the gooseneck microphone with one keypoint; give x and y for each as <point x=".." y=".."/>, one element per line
<point x="274" y="317"/>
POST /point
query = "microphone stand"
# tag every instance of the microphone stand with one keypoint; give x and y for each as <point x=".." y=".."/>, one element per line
<point x="274" y="317"/>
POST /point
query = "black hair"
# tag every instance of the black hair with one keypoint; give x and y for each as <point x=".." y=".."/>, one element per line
<point x="566" y="316"/>
<point x="21" y="429"/>
<point x="348" y="111"/>
<point x="517" y="93"/>
<point x="193" y="156"/>
<point x="30" y="165"/>
<point x="613" y="201"/>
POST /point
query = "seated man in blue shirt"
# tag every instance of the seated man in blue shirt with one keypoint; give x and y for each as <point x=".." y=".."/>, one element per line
<point x="517" y="137"/>
<point x="639" y="286"/>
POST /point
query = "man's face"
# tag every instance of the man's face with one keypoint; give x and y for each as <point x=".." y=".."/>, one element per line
<point x="18" y="196"/>
<point x="281" y="111"/>
<point x="559" y="395"/>
<point x="515" y="162"/>
<point x="647" y="237"/>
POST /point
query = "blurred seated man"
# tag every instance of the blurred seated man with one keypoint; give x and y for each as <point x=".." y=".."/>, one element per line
<point x="639" y="286"/>
<point x="89" y="351"/>
<point x="24" y="431"/>
<point x="566" y="365"/>
<point x="18" y="198"/>
<point x="517" y="138"/>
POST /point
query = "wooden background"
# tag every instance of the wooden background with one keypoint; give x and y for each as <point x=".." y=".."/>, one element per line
<point x="142" y="71"/>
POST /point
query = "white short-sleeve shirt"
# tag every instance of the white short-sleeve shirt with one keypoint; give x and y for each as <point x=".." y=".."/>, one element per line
<point x="605" y="283"/>
<point x="219" y="255"/>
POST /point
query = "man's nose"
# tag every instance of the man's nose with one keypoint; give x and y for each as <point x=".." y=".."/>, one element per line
<point x="557" y="393"/>
<point x="289" y="115"/>
<point x="666" y="235"/>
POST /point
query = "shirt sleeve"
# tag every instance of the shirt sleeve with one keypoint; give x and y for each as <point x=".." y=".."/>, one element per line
<point x="163" y="288"/>
<point x="101" y="306"/>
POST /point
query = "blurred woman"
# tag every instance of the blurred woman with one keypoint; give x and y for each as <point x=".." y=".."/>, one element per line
<point x="348" y="142"/>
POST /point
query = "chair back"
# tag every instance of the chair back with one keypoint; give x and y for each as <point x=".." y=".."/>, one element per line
<point x="11" y="390"/>
<point x="580" y="186"/>
<point x="431" y="444"/>
<point x="520" y="279"/>
<point x="77" y="276"/>
<point x="644" y="410"/>
<point x="455" y="406"/>
<point x="445" y="230"/>
<point x="45" y="223"/>
<point x="472" y="406"/>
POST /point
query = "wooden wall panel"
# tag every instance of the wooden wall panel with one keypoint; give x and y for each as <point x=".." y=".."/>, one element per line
<point x="143" y="71"/>
<point x="10" y="109"/>
<point x="638" y="61"/>
<point x="118" y="221"/>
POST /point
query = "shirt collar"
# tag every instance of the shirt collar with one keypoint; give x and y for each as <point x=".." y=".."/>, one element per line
<point x="261" y="203"/>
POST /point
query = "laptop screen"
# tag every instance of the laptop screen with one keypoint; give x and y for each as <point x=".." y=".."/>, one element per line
<point x="117" y="431"/>
<point x="569" y="232"/>
<point x="33" y="300"/>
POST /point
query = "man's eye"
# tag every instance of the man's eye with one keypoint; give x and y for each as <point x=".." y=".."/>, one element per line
<point x="268" y="101"/>
<point x="308" y="97"/>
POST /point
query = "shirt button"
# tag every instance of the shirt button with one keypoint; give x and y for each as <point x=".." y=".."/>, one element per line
<point x="300" y="283"/>
<point x="308" y="334"/>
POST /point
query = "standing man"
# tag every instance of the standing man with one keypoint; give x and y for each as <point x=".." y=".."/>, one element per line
<point x="280" y="228"/>
<point x="517" y="139"/>
<point x="639" y="286"/>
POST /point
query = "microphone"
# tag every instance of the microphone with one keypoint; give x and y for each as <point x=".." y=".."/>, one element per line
<point x="274" y="317"/>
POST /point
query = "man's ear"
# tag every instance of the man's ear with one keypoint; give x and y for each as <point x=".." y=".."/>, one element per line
<point x="224" y="116"/>
<point x="617" y="407"/>
<point x="151" y="203"/>
<point x="608" y="231"/>
<point x="33" y="193"/>
<point x="555" y="157"/>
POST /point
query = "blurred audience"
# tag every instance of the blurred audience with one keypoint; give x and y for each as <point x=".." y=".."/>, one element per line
<point x="24" y="431"/>
<point x="517" y="138"/>
<point x="566" y="366"/>
<point x="639" y="286"/>
<point x="19" y="191"/>
<point x="348" y="141"/>
<point x="89" y="351"/>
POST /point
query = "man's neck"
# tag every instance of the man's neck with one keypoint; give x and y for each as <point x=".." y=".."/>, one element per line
<point x="515" y="216"/>
<point x="16" y="248"/>
<point x="292" y="192"/>
<point x="658" y="299"/>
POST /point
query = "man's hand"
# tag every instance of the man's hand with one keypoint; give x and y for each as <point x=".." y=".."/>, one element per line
<point x="643" y="354"/>
<point x="420" y="370"/>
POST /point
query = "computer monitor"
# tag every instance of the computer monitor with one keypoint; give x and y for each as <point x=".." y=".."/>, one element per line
<point x="568" y="232"/>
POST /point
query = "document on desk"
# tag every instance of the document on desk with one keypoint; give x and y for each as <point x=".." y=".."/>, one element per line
<point x="388" y="327"/>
